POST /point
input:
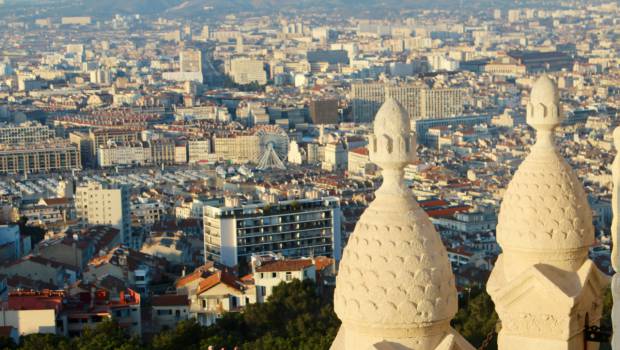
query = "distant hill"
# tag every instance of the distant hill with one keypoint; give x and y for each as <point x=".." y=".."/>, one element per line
<point x="170" y="8"/>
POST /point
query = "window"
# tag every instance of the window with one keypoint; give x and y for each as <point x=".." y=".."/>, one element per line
<point x="289" y="275"/>
<point x="274" y="274"/>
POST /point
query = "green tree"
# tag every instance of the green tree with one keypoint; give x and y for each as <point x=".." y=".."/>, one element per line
<point x="477" y="318"/>
<point x="107" y="335"/>
<point x="7" y="343"/>
<point x="186" y="335"/>
<point x="44" y="342"/>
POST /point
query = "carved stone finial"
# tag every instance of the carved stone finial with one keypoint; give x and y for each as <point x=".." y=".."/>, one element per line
<point x="395" y="284"/>
<point x="392" y="145"/>
<point x="543" y="284"/>
<point x="543" y="110"/>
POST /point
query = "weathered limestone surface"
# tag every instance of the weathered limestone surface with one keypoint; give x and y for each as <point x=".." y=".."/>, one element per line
<point x="395" y="288"/>
<point x="543" y="285"/>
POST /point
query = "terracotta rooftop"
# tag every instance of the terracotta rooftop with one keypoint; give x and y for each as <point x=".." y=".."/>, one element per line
<point x="56" y="201"/>
<point x="200" y="272"/>
<point x="284" y="265"/>
<point x="217" y="278"/>
<point x="32" y="300"/>
<point x="322" y="262"/>
<point x="361" y="151"/>
<point x="170" y="300"/>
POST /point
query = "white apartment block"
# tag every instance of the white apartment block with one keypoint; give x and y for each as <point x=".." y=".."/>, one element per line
<point x="237" y="148"/>
<point x="102" y="204"/>
<point x="130" y="153"/>
<point x="190" y="61"/>
<point x="25" y="133"/>
<point x="335" y="157"/>
<point x="293" y="228"/>
<point x="245" y="71"/>
<point x="198" y="150"/>
<point x="419" y="101"/>
<point x="269" y="273"/>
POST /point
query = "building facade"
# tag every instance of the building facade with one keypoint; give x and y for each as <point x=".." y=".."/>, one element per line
<point x="419" y="101"/>
<point x="297" y="228"/>
<point x="245" y="71"/>
<point x="42" y="157"/>
<point x="25" y="133"/>
<point x="102" y="204"/>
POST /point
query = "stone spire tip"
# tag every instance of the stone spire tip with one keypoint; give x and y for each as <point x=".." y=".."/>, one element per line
<point x="392" y="144"/>
<point x="543" y="110"/>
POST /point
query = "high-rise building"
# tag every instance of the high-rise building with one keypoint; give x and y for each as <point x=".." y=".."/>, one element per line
<point x="442" y="102"/>
<point x="324" y="111"/>
<point x="246" y="71"/>
<point x="191" y="61"/>
<point x="233" y="232"/>
<point x="104" y="204"/>
<point x="419" y="101"/>
<point x="368" y="97"/>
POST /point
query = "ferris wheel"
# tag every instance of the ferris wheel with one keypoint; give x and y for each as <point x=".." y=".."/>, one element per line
<point x="273" y="142"/>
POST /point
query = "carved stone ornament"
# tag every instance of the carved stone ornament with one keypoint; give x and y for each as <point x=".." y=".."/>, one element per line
<point x="543" y="284"/>
<point x="395" y="288"/>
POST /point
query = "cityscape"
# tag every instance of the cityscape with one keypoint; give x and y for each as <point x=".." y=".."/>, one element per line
<point x="329" y="174"/>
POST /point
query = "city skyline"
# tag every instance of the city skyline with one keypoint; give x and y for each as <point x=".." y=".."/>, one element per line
<point x="338" y="174"/>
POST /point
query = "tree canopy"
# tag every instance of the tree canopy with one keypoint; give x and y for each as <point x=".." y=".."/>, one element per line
<point x="294" y="317"/>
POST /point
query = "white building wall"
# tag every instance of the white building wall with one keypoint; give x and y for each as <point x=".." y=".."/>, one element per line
<point x="30" y="321"/>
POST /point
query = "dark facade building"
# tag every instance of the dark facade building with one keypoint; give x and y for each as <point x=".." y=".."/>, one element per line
<point x="329" y="56"/>
<point x="538" y="61"/>
<point x="324" y="111"/>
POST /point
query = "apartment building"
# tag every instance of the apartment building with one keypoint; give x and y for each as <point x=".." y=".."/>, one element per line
<point x="245" y="71"/>
<point x="29" y="133"/>
<point x="233" y="232"/>
<point x="238" y="148"/>
<point x="53" y="155"/>
<point x="104" y="204"/>
<point x="419" y="101"/>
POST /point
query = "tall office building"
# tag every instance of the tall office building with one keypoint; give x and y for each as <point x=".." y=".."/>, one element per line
<point x="296" y="228"/>
<point x="104" y="204"/>
<point x="246" y="71"/>
<point x="419" y="101"/>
